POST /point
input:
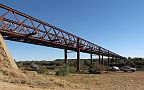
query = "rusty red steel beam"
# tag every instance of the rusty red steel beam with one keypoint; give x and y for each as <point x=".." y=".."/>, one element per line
<point x="23" y="28"/>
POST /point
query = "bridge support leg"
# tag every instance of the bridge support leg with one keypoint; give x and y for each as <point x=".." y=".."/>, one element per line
<point x="102" y="62"/>
<point x="78" y="59"/>
<point x="91" y="59"/>
<point x="108" y="64"/>
<point x="65" y="55"/>
<point x="99" y="59"/>
<point x="108" y="61"/>
<point x="113" y="58"/>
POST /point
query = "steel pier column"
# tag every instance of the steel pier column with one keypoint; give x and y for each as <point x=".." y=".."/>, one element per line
<point x="102" y="60"/>
<point x="91" y="59"/>
<point x="78" y="55"/>
<point x="65" y="54"/>
<point x="99" y="56"/>
<point x="113" y="58"/>
<point x="99" y="59"/>
<point x="78" y="59"/>
<point x="108" y="59"/>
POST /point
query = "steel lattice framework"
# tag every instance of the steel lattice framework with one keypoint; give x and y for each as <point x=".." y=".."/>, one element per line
<point x="20" y="27"/>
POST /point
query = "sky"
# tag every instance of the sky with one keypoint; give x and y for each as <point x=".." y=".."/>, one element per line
<point x="117" y="25"/>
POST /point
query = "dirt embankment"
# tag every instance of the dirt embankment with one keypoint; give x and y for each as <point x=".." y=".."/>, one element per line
<point x="25" y="80"/>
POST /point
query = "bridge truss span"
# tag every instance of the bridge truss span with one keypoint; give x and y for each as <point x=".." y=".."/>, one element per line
<point x="20" y="27"/>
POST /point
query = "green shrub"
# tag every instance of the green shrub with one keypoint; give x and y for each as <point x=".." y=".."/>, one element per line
<point x="63" y="71"/>
<point x="97" y="68"/>
<point x="92" y="71"/>
<point x="20" y="65"/>
<point x="43" y="70"/>
<point x="71" y="69"/>
<point x="140" y="68"/>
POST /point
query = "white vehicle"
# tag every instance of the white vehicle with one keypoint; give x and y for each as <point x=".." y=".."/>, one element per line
<point x="115" y="68"/>
<point x="128" y="68"/>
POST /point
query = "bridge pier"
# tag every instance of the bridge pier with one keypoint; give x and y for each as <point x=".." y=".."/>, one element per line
<point x="91" y="59"/>
<point x="108" y="59"/>
<point x="99" y="59"/>
<point x="65" y="55"/>
<point x="113" y="58"/>
<point x="102" y="61"/>
<point x="99" y="56"/>
<point x="78" y="59"/>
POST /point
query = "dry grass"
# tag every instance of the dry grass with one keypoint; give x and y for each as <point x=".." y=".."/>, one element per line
<point x="33" y="79"/>
<point x="109" y="80"/>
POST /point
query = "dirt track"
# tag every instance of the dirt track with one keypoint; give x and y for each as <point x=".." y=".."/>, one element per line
<point x="105" y="81"/>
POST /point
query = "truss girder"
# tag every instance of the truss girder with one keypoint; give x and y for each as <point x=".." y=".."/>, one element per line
<point x="20" y="27"/>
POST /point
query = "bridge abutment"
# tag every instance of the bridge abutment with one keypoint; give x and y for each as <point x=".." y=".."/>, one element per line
<point x="5" y="57"/>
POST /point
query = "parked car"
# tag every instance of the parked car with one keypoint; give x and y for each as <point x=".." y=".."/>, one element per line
<point x="128" y="68"/>
<point x="115" y="68"/>
<point x="34" y="67"/>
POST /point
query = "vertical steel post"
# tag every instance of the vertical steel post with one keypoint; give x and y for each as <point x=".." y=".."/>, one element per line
<point x="99" y="59"/>
<point x="102" y="60"/>
<point x="66" y="59"/>
<point x="99" y="56"/>
<point x="78" y="56"/>
<point x="113" y="58"/>
<point x="78" y="59"/>
<point x="108" y="59"/>
<point x="91" y="59"/>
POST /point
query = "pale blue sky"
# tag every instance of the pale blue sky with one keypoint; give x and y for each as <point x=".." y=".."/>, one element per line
<point x="117" y="25"/>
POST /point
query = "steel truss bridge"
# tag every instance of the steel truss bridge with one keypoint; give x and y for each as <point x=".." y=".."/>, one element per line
<point x="20" y="27"/>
